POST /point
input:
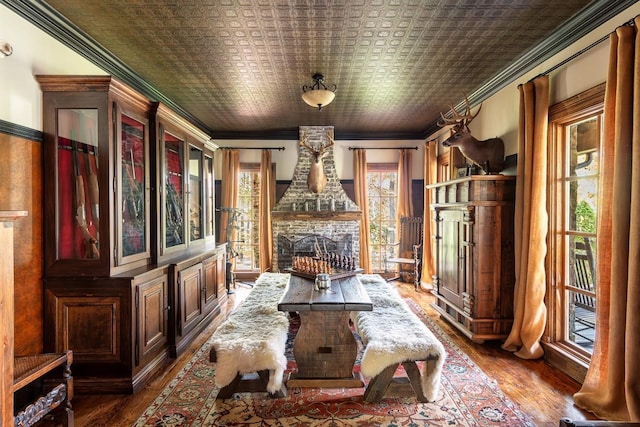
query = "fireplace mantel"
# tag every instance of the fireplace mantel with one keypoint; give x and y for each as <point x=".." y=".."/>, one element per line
<point x="316" y="215"/>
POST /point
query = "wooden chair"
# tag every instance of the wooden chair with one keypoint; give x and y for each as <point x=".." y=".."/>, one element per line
<point x="409" y="250"/>
<point x="584" y="305"/>
<point x="53" y="370"/>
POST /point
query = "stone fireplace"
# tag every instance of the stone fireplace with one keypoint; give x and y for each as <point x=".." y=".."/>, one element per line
<point x="303" y="221"/>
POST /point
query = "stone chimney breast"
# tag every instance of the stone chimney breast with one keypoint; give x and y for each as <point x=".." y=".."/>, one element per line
<point x="331" y="218"/>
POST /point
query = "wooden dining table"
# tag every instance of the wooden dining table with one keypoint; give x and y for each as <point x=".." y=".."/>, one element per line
<point x="325" y="349"/>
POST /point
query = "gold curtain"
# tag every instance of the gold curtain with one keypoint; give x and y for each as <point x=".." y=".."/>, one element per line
<point x="267" y="201"/>
<point x="360" y="184"/>
<point x="611" y="389"/>
<point x="430" y="177"/>
<point x="405" y="195"/>
<point x="229" y="191"/>
<point x="531" y="222"/>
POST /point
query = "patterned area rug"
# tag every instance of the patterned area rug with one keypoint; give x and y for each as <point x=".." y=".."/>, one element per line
<point x="468" y="397"/>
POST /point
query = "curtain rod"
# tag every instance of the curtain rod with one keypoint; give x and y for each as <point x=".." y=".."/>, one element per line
<point x="253" y="148"/>
<point x="382" y="148"/>
<point x="583" y="50"/>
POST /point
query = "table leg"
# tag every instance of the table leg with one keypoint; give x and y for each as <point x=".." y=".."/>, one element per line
<point x="325" y="351"/>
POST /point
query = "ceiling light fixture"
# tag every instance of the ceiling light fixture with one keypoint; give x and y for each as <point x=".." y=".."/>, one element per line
<point x="5" y="49"/>
<point x="318" y="94"/>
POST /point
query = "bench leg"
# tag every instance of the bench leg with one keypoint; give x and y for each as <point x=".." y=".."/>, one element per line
<point x="250" y="383"/>
<point x="414" y="378"/>
<point x="67" y="420"/>
<point x="264" y="377"/>
<point x="377" y="387"/>
<point x="227" y="391"/>
<point x="385" y="384"/>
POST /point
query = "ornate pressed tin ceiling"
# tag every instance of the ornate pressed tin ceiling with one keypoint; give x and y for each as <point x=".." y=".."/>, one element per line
<point x="237" y="67"/>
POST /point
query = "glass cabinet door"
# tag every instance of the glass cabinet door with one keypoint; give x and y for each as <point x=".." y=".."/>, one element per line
<point x="133" y="236"/>
<point x="173" y="167"/>
<point x="196" y="192"/>
<point x="209" y="228"/>
<point x="78" y="204"/>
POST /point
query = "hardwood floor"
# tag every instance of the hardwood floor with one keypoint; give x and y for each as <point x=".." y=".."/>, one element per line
<point x="540" y="390"/>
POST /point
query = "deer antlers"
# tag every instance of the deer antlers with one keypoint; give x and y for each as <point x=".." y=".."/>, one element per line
<point x="317" y="153"/>
<point x="458" y="119"/>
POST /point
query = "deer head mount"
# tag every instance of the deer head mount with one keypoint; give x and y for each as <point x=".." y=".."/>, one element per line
<point x="487" y="154"/>
<point x="317" y="180"/>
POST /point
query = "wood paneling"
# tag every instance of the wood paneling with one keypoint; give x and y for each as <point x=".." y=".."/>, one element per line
<point x="21" y="189"/>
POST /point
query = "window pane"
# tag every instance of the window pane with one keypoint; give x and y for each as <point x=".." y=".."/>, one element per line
<point x="582" y="318"/>
<point x="247" y="237"/>
<point x="388" y="184"/>
<point x="580" y="208"/>
<point x="582" y="204"/>
<point x="373" y="183"/>
<point x="382" y="183"/>
<point x="583" y="139"/>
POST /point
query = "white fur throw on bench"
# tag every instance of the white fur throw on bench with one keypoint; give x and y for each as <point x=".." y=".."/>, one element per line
<point x="393" y="334"/>
<point x="253" y="338"/>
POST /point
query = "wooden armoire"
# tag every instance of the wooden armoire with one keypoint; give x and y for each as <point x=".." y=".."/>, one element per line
<point x="474" y="254"/>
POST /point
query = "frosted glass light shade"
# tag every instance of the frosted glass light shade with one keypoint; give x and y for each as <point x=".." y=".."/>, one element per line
<point x="318" y="97"/>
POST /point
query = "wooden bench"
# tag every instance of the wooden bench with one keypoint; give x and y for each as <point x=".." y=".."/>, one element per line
<point x="28" y="370"/>
<point x="393" y="335"/>
<point x="249" y="346"/>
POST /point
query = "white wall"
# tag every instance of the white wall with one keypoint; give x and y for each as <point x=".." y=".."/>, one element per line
<point x="286" y="160"/>
<point x="34" y="52"/>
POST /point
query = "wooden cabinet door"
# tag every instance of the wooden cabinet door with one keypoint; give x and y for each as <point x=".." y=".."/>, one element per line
<point x="452" y="256"/>
<point x="210" y="270"/>
<point x="91" y="326"/>
<point x="151" y="318"/>
<point x="190" y="291"/>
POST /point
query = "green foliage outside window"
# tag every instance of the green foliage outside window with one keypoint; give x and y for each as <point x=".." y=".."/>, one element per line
<point x="585" y="217"/>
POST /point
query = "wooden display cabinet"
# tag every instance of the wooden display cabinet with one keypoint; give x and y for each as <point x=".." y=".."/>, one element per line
<point x="109" y="268"/>
<point x="474" y="254"/>
<point x="96" y="163"/>
<point x="185" y="184"/>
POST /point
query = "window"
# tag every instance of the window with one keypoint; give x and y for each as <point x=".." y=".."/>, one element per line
<point x="382" y="181"/>
<point x="248" y="234"/>
<point x="575" y="138"/>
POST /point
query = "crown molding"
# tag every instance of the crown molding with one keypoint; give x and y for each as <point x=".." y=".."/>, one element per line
<point x="49" y="20"/>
